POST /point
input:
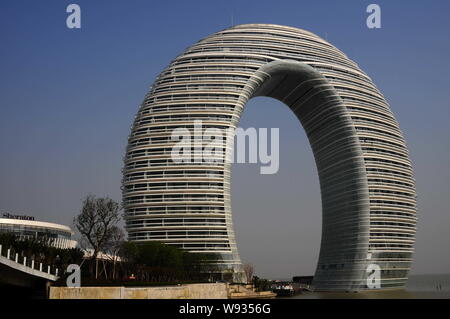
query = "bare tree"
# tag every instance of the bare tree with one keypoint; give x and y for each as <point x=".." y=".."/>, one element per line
<point x="248" y="270"/>
<point x="97" y="223"/>
<point x="114" y="246"/>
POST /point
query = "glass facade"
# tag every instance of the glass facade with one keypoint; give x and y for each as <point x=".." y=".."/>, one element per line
<point x="59" y="236"/>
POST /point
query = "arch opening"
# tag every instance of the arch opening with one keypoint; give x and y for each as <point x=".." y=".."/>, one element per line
<point x="277" y="217"/>
<point x="340" y="165"/>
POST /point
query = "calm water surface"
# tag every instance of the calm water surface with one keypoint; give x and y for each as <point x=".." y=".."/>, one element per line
<point x="419" y="286"/>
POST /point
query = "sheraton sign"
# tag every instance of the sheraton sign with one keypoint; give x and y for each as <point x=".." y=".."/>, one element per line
<point x="21" y="217"/>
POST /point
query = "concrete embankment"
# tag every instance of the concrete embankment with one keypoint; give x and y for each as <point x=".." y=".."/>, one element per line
<point x="191" y="291"/>
<point x="248" y="291"/>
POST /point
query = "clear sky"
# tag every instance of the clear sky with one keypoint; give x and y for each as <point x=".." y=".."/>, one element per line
<point x="68" y="98"/>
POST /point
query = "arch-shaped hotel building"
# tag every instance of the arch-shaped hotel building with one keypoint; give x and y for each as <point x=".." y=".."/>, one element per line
<point x="366" y="178"/>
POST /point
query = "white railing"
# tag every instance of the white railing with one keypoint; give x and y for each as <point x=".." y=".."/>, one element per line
<point x="19" y="259"/>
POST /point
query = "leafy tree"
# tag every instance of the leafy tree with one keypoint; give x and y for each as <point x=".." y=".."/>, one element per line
<point x="40" y="251"/>
<point x="157" y="254"/>
<point x="130" y="251"/>
<point x="157" y="262"/>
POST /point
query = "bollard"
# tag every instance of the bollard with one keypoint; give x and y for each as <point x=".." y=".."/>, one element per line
<point x="8" y="254"/>
<point x="17" y="258"/>
<point x="32" y="264"/>
<point x="24" y="261"/>
<point x="40" y="267"/>
<point x="48" y="270"/>
<point x="0" y="250"/>
<point x="56" y="272"/>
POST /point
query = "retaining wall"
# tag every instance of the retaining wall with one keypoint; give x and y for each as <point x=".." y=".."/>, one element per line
<point x="191" y="291"/>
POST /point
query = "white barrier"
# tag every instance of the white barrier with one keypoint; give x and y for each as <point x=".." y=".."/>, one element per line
<point x="15" y="259"/>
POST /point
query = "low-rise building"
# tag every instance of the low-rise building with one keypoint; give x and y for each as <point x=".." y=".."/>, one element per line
<point x="26" y="227"/>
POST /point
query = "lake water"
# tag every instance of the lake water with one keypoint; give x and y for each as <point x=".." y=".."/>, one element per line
<point x="419" y="286"/>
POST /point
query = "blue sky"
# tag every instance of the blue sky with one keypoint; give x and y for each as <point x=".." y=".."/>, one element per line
<point x="68" y="98"/>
